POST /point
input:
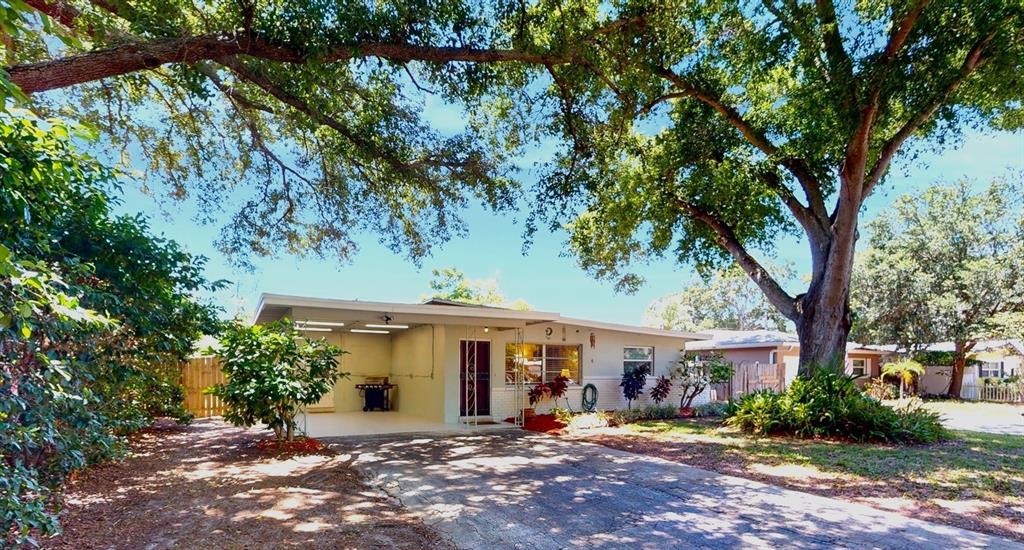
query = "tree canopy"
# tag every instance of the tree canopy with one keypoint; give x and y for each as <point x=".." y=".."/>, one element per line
<point x="945" y="264"/>
<point x="449" y="283"/>
<point x="700" y="131"/>
<point x="728" y="299"/>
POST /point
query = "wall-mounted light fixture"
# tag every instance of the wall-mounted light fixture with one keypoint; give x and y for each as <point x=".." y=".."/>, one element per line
<point x="312" y="329"/>
<point x="324" y="323"/>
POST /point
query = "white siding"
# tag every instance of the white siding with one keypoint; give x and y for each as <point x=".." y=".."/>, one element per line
<point x="600" y="365"/>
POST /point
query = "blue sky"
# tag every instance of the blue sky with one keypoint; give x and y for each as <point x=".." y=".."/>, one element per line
<point x="546" y="277"/>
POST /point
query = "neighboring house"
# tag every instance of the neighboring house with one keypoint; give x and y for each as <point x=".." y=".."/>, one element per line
<point x="988" y="359"/>
<point x="429" y="350"/>
<point x="773" y="347"/>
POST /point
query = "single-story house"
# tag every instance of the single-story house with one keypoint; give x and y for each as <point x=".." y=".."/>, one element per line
<point x="454" y="363"/>
<point x="774" y="347"/>
<point x="989" y="359"/>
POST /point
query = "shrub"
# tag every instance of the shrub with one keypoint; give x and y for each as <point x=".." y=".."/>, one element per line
<point x="879" y="389"/>
<point x="633" y="382"/>
<point x="648" y="412"/>
<point x="661" y="389"/>
<point x="694" y="376"/>
<point x="564" y="416"/>
<point x="555" y="389"/>
<point x="829" y="404"/>
<point x="715" y="409"/>
<point x="271" y="372"/>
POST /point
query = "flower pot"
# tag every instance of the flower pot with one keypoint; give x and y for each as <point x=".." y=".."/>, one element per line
<point x="528" y="414"/>
<point x="686" y="412"/>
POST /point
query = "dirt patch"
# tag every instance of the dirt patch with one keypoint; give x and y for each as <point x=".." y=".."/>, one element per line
<point x="823" y="468"/>
<point x="210" y="485"/>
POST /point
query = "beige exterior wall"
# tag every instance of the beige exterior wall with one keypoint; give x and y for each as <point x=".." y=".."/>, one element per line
<point x="368" y="355"/>
<point x="601" y="365"/>
<point x="417" y="362"/>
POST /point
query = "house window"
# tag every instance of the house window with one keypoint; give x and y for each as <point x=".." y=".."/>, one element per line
<point x="990" y="369"/>
<point x="859" y="367"/>
<point x="543" y="362"/>
<point x="637" y="356"/>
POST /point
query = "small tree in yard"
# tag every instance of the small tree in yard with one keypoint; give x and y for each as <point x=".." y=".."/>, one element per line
<point x="904" y="371"/>
<point x="633" y="382"/>
<point x="694" y="376"/>
<point x="271" y="372"/>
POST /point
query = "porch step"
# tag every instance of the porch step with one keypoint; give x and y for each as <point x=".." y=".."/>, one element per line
<point x="479" y="419"/>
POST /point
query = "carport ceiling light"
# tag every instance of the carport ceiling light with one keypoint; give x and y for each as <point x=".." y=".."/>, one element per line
<point x="324" y="323"/>
<point x="386" y="326"/>
<point x="312" y="329"/>
<point x="363" y="331"/>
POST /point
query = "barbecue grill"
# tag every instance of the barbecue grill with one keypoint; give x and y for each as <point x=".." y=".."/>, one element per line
<point x="376" y="393"/>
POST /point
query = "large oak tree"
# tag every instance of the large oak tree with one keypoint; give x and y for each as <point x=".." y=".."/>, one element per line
<point x="700" y="130"/>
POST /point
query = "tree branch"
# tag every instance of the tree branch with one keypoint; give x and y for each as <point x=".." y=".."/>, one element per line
<point x="974" y="59"/>
<point x="127" y="58"/>
<point x="839" y="63"/>
<point x="755" y="137"/>
<point x="779" y="298"/>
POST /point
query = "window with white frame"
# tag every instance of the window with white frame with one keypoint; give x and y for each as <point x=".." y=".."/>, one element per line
<point x="543" y="362"/>
<point x="991" y="369"/>
<point x="859" y="367"/>
<point x="638" y="356"/>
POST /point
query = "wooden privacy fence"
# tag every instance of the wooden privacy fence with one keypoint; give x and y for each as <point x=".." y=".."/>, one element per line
<point x="748" y="377"/>
<point x="198" y="374"/>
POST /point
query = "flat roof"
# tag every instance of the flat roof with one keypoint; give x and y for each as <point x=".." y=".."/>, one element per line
<point x="758" y="339"/>
<point x="274" y="306"/>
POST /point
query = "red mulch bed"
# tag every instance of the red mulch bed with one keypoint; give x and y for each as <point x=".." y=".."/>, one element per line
<point x="544" y="423"/>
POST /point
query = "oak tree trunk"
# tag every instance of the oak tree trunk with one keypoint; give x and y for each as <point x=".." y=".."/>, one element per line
<point x="824" y="317"/>
<point x="956" y="379"/>
<point x="823" y="328"/>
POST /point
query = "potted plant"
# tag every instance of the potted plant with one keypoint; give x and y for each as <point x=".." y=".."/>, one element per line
<point x="535" y="395"/>
<point x="694" y="376"/>
<point x="555" y="389"/>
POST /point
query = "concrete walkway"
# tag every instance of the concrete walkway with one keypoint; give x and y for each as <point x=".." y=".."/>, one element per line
<point x="514" y="489"/>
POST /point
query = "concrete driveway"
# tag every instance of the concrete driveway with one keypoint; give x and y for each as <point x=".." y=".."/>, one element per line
<point x="994" y="418"/>
<point x="517" y="489"/>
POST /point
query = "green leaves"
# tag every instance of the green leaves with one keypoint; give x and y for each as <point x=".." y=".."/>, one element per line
<point x="944" y="264"/>
<point x="272" y="371"/>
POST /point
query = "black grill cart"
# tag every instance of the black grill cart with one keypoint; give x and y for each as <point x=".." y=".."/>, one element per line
<point x="376" y="394"/>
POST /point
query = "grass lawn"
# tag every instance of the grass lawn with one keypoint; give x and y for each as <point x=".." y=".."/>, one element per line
<point x="975" y="481"/>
